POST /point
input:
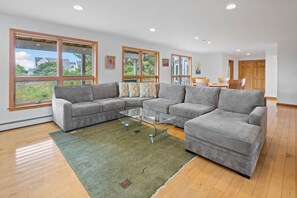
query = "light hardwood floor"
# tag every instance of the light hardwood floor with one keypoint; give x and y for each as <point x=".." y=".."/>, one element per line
<point x="31" y="165"/>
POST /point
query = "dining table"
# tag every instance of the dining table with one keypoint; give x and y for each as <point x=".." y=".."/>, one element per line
<point x="221" y="85"/>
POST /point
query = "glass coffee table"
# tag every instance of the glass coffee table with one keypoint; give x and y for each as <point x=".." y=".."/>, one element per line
<point x="147" y="116"/>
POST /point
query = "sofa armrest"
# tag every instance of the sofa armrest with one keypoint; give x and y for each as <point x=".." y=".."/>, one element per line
<point x="62" y="113"/>
<point x="258" y="116"/>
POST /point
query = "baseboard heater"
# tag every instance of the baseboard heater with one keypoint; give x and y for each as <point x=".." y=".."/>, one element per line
<point x="25" y="122"/>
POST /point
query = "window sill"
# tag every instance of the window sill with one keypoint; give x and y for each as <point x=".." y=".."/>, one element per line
<point x="30" y="106"/>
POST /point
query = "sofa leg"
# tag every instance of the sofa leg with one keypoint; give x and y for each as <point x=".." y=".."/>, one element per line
<point x="245" y="176"/>
<point x="191" y="152"/>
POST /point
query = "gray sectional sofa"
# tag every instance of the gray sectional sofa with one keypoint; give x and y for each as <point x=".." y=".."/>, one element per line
<point x="234" y="133"/>
<point x="225" y="126"/>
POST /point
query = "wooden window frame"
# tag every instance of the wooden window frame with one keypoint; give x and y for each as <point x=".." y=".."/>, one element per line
<point x="180" y="68"/>
<point x="140" y="76"/>
<point x="59" y="78"/>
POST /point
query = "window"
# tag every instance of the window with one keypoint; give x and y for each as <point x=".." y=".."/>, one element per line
<point x="140" y="65"/>
<point x="38" y="62"/>
<point x="181" y="69"/>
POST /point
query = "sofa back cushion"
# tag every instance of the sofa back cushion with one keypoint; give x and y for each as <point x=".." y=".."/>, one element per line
<point x="202" y="95"/>
<point x="172" y="92"/>
<point x="105" y="90"/>
<point x="74" y="94"/>
<point x="240" y="101"/>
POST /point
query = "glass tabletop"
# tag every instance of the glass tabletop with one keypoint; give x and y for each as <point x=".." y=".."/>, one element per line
<point x="149" y="116"/>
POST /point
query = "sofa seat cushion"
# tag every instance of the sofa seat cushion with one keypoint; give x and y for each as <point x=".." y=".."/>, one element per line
<point x="189" y="110"/>
<point x="221" y="114"/>
<point x="110" y="104"/>
<point x="134" y="102"/>
<point x="229" y="134"/>
<point x="85" y="108"/>
<point x="159" y="104"/>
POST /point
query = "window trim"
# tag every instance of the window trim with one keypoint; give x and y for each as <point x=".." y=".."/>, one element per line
<point x="180" y="68"/>
<point x="140" y="76"/>
<point x="59" y="78"/>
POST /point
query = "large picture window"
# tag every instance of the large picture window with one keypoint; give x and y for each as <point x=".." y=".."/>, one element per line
<point x="38" y="62"/>
<point x="140" y="65"/>
<point x="181" y="69"/>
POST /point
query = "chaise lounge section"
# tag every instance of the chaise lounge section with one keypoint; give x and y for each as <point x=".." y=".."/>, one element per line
<point x="232" y="135"/>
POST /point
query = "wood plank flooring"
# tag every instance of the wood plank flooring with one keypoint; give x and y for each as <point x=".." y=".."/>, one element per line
<point x="31" y="165"/>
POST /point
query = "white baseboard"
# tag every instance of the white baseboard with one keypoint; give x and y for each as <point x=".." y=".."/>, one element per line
<point x="26" y="122"/>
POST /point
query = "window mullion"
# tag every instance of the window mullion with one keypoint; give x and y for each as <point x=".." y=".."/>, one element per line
<point x="60" y="62"/>
<point x="180" y="69"/>
<point x="140" y="65"/>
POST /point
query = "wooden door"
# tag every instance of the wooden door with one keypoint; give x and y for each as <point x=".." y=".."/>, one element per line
<point x="259" y="75"/>
<point x="245" y="71"/>
<point x="254" y="73"/>
<point x="231" y="69"/>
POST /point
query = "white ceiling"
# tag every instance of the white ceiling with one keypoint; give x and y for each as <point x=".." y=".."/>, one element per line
<point x="252" y="26"/>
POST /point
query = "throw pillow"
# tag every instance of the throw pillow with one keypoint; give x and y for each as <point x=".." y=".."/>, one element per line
<point x="133" y="89"/>
<point x="148" y="90"/>
<point x="123" y="89"/>
<point x="153" y="90"/>
<point x="144" y="90"/>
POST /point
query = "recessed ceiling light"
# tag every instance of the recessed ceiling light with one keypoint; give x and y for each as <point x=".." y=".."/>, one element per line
<point x="152" y="29"/>
<point x="238" y="50"/>
<point x="208" y="42"/>
<point x="78" y="7"/>
<point x="248" y="54"/>
<point x="231" y="6"/>
<point x="196" y="37"/>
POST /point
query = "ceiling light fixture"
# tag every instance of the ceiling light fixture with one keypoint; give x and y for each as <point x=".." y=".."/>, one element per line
<point x="196" y="37"/>
<point x="78" y="7"/>
<point x="208" y="42"/>
<point x="231" y="6"/>
<point x="152" y="29"/>
<point x="248" y="54"/>
<point x="238" y="50"/>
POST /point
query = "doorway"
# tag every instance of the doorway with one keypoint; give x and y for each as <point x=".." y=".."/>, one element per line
<point x="231" y="69"/>
<point x="254" y="73"/>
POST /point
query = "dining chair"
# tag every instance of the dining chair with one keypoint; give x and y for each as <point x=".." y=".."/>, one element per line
<point x="194" y="80"/>
<point x="234" y="84"/>
<point x="202" y="82"/>
<point x="223" y="80"/>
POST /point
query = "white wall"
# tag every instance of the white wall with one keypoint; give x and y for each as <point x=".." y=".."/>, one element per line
<point x="287" y="73"/>
<point x="260" y="56"/>
<point x="108" y="45"/>
<point x="271" y="76"/>
<point x="215" y="66"/>
<point x="225" y="65"/>
<point x="271" y="71"/>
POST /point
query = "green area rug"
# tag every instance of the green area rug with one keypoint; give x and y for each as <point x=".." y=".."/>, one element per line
<point x="105" y="155"/>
